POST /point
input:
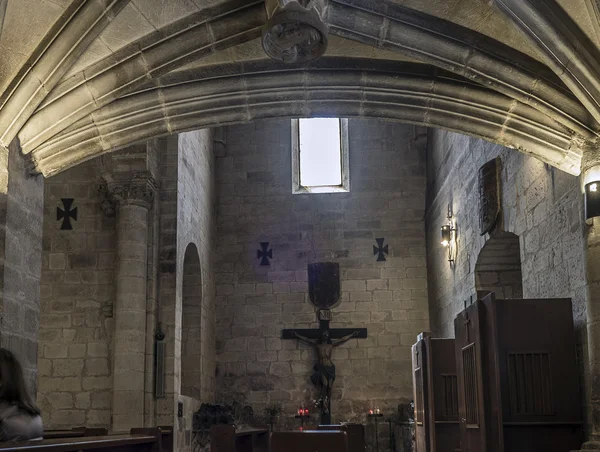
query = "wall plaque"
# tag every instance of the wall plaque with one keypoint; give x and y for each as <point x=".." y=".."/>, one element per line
<point x="489" y="195"/>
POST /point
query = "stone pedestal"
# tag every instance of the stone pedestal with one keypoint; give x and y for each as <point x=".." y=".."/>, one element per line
<point x="132" y="199"/>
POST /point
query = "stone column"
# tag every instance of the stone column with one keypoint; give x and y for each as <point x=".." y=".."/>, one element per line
<point x="132" y="198"/>
<point x="590" y="167"/>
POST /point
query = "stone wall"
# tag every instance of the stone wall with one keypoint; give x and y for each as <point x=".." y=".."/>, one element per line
<point x="498" y="267"/>
<point x="254" y="303"/>
<point x="78" y="283"/>
<point x="541" y="205"/>
<point x="196" y="223"/>
<point x="21" y="219"/>
<point x="76" y="324"/>
<point x="195" y="301"/>
<point x="167" y="269"/>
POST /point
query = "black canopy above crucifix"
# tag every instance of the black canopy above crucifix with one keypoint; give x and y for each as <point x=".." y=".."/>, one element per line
<point x="324" y="292"/>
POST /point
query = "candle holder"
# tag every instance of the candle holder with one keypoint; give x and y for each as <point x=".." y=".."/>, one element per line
<point x="375" y="415"/>
<point x="302" y="415"/>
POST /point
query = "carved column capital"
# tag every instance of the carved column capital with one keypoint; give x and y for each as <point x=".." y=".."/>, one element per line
<point x="137" y="190"/>
<point x="295" y="31"/>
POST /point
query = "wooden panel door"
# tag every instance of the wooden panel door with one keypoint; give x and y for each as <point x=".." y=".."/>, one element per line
<point x="538" y="378"/>
<point x="420" y="387"/>
<point x="444" y="395"/>
<point x="470" y="382"/>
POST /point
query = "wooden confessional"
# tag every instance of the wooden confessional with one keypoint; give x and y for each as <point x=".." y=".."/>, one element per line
<point x="517" y="376"/>
<point x="436" y="397"/>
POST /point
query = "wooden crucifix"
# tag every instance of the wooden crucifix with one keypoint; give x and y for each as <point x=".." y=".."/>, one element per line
<point x="324" y="291"/>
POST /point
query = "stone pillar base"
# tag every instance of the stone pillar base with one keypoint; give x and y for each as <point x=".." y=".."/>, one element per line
<point x="590" y="445"/>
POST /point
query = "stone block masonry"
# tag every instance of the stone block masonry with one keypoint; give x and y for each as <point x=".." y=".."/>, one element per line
<point x="76" y="319"/>
<point x="21" y="217"/>
<point x="254" y="303"/>
<point x="187" y="217"/>
<point x="83" y="361"/>
<point x="541" y="205"/>
<point x="196" y="223"/>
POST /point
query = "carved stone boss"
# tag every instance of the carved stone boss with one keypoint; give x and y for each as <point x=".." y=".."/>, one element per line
<point x="295" y="31"/>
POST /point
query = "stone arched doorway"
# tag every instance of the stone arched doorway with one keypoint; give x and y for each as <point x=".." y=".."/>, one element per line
<point x="191" y="355"/>
<point x="498" y="267"/>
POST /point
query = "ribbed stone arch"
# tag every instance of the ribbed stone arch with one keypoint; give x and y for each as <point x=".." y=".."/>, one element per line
<point x="460" y="50"/>
<point x="569" y="52"/>
<point x="3" y="5"/>
<point x="79" y="25"/>
<point x="381" y="24"/>
<point x="192" y="38"/>
<point x="239" y="93"/>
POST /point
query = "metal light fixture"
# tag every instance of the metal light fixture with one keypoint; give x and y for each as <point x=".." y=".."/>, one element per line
<point x="448" y="234"/>
<point x="592" y="200"/>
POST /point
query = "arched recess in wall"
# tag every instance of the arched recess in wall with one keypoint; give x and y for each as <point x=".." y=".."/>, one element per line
<point x="498" y="267"/>
<point x="191" y="355"/>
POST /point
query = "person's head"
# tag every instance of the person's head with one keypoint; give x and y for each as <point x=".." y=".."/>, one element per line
<point x="12" y="384"/>
<point x="325" y="339"/>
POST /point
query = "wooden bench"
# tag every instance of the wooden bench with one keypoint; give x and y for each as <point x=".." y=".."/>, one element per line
<point x="167" y="437"/>
<point x="225" y="438"/>
<point x="310" y="441"/>
<point x="138" y="440"/>
<point x="76" y="432"/>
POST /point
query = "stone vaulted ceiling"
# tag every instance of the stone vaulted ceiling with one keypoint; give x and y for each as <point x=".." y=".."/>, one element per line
<point x="79" y="78"/>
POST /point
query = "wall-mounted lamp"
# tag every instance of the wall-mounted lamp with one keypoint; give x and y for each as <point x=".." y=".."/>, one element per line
<point x="448" y="233"/>
<point x="592" y="200"/>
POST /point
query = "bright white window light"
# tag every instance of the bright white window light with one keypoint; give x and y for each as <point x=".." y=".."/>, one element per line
<point x="320" y="152"/>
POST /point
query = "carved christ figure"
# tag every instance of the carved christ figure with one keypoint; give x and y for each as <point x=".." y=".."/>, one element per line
<point x="324" y="370"/>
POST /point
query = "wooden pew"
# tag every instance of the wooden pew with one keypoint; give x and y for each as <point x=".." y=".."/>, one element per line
<point x="76" y="432"/>
<point x="139" y="440"/>
<point x="167" y="437"/>
<point x="225" y="438"/>
<point x="356" y="435"/>
<point x="310" y="441"/>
